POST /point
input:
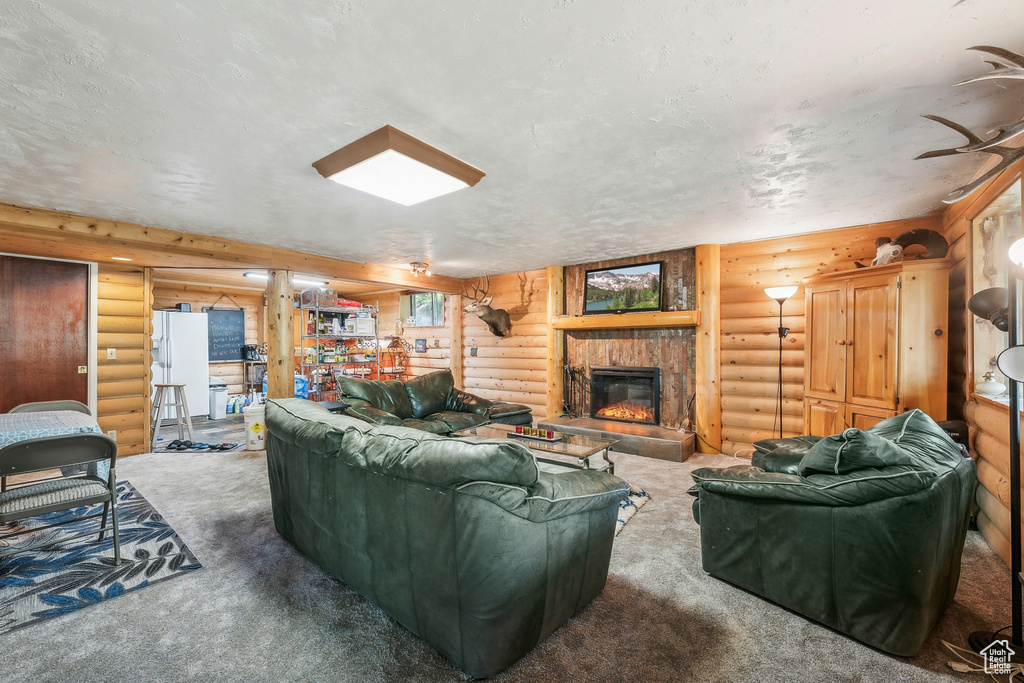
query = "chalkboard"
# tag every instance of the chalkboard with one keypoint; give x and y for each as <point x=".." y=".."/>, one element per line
<point x="227" y="334"/>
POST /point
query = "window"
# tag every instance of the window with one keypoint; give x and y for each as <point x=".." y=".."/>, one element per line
<point x="423" y="309"/>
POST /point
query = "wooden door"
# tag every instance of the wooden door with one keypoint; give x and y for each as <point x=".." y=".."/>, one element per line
<point x="823" y="418"/>
<point x="871" y="326"/>
<point x="44" y="331"/>
<point x="862" y="417"/>
<point x="824" y="344"/>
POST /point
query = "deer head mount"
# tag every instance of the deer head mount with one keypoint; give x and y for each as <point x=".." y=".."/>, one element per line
<point x="496" y="318"/>
<point x="1010" y="65"/>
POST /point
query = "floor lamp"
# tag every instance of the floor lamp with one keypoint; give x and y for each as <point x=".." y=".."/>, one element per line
<point x="780" y="294"/>
<point x="999" y="305"/>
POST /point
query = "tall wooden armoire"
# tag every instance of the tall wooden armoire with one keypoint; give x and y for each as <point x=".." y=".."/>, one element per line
<point x="875" y="345"/>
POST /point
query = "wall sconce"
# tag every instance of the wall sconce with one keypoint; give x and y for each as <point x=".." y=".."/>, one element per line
<point x="419" y="268"/>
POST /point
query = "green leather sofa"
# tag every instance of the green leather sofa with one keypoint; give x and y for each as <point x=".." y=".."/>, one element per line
<point x="429" y="402"/>
<point x="865" y="536"/>
<point x="462" y="541"/>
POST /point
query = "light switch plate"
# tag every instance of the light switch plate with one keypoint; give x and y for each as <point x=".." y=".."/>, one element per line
<point x="111" y="354"/>
<point x="83" y="369"/>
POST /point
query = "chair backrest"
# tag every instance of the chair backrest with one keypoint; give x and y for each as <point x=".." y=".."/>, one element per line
<point x="52" y="452"/>
<point x="45" y="406"/>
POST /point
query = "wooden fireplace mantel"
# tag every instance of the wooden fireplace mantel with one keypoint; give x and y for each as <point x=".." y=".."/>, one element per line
<point x="612" y="321"/>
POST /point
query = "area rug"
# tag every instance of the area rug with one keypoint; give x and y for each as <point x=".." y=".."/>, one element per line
<point x="58" y="576"/>
<point x="630" y="505"/>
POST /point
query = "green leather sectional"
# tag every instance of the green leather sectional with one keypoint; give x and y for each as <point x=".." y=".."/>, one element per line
<point x="429" y="402"/>
<point x="861" y="531"/>
<point x="462" y="541"/>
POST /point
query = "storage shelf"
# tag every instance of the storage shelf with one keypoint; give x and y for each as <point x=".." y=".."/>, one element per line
<point x="339" y="336"/>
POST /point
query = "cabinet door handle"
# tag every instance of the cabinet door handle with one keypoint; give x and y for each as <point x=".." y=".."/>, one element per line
<point x="842" y="342"/>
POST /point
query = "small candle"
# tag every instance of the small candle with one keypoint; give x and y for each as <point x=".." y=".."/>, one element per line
<point x="519" y="429"/>
<point x="551" y="433"/>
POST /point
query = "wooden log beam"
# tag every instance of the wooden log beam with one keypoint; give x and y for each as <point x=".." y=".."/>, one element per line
<point x="708" y="349"/>
<point x="280" y="335"/>
<point x="59" y="234"/>
<point x="455" y="342"/>
<point x="556" y="341"/>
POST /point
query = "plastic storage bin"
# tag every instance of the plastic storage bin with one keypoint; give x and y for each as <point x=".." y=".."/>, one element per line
<point x="218" y="398"/>
<point x="255" y="428"/>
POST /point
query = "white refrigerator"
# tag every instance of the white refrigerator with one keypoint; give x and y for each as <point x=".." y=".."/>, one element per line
<point x="181" y="355"/>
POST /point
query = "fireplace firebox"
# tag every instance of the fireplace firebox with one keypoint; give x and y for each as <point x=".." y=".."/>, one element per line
<point x="625" y="394"/>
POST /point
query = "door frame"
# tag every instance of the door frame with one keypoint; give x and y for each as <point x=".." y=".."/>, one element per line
<point x="92" y="300"/>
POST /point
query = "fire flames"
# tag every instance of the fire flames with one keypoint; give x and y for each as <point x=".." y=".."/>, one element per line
<point x="627" y="411"/>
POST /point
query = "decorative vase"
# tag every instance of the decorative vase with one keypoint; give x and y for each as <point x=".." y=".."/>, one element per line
<point x="990" y="386"/>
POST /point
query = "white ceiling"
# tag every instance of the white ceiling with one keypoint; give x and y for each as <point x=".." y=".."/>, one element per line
<point x="605" y="128"/>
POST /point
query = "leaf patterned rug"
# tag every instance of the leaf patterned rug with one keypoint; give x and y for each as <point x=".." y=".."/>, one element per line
<point x="56" y="576"/>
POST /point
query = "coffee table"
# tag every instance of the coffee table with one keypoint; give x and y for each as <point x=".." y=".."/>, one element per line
<point x="589" y="453"/>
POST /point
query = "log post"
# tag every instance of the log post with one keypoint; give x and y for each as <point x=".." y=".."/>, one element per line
<point x="280" y="352"/>
<point x="556" y="341"/>
<point x="455" y="348"/>
<point x="708" y="411"/>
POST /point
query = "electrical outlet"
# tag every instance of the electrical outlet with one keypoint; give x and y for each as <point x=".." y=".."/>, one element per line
<point x="111" y="354"/>
<point x="83" y="369"/>
<point x="472" y="351"/>
<point x="112" y="433"/>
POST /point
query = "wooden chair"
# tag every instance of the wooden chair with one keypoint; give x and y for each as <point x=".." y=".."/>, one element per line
<point x="61" y="493"/>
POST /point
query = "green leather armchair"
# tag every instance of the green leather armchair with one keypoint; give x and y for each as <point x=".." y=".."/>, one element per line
<point x="462" y="541"/>
<point x="865" y="536"/>
<point x="428" y="402"/>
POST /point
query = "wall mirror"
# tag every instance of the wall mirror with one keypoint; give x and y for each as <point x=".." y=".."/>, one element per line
<point x="992" y="232"/>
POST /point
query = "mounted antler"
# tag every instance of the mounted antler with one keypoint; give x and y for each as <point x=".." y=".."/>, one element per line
<point x="1012" y="66"/>
<point x="496" y="318"/>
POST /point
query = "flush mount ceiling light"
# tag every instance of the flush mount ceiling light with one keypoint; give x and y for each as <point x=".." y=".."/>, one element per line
<point x="419" y="268"/>
<point x="295" y="280"/>
<point x="396" y="166"/>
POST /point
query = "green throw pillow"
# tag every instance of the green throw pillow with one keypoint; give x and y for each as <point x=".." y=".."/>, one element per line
<point x="852" y="450"/>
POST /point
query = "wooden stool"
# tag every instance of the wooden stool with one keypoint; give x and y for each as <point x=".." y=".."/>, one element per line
<point x="181" y="406"/>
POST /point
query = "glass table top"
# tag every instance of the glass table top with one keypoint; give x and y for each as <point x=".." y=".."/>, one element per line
<point x="571" y="444"/>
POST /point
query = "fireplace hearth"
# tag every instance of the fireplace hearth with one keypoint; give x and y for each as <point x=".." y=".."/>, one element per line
<point x="625" y="394"/>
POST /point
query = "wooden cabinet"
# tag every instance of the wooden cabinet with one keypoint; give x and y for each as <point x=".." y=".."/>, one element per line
<point x="875" y="345"/>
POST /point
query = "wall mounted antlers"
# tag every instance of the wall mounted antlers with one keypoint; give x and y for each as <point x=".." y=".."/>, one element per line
<point x="1011" y="65"/>
<point x="496" y="318"/>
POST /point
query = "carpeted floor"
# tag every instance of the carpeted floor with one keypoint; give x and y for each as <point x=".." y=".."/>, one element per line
<point x="259" y="611"/>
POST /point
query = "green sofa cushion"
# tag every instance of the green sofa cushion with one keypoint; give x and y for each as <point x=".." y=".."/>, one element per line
<point x="429" y="393"/>
<point x="311" y="426"/>
<point x="456" y="420"/>
<point x="430" y="426"/>
<point x="415" y="455"/>
<point x="389" y="395"/>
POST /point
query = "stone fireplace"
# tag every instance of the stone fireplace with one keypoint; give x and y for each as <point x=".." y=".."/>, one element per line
<point x="625" y="394"/>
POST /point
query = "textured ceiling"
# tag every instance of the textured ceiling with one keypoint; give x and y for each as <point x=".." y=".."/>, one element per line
<point x="605" y="129"/>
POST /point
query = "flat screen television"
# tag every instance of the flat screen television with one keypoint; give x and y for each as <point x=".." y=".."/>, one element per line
<point x="623" y="289"/>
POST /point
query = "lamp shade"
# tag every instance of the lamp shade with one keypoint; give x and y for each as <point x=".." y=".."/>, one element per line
<point x="780" y="294"/>
<point x="1016" y="252"/>
<point x="1011" y="363"/>
<point x="992" y="304"/>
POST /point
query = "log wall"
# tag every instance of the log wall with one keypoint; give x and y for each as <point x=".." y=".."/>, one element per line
<point x="750" y="342"/>
<point x="669" y="349"/>
<point x="990" y="447"/>
<point x="124" y="322"/>
<point x="166" y="294"/>
<point x="513" y="368"/>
